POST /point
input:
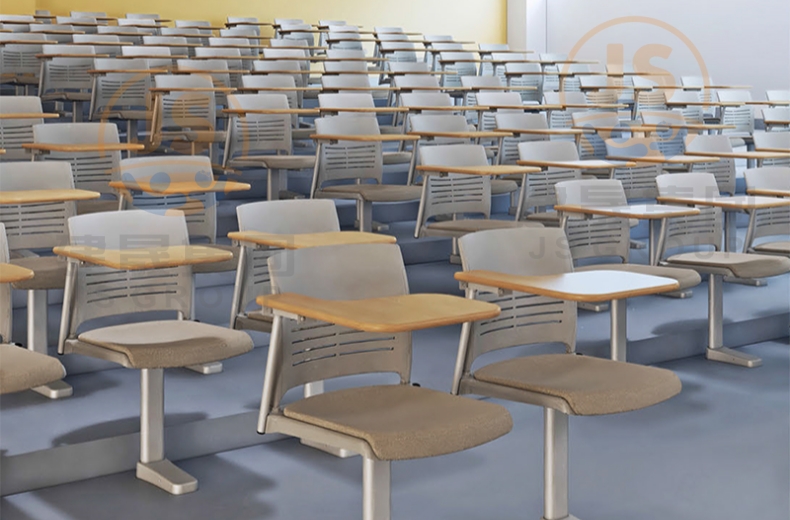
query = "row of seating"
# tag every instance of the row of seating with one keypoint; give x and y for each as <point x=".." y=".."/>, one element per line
<point x="337" y="303"/>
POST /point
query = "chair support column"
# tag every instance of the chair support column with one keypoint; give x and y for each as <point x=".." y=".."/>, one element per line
<point x="38" y="340"/>
<point x="238" y="287"/>
<point x="277" y="182"/>
<point x="153" y="467"/>
<point x="716" y="350"/>
<point x="365" y="215"/>
<point x="555" y="465"/>
<point x="619" y="328"/>
<point x="375" y="489"/>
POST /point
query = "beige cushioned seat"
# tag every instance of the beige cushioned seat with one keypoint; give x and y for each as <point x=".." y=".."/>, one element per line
<point x="96" y="206"/>
<point x="164" y="344"/>
<point x="278" y="162"/>
<point x="396" y="157"/>
<point x="194" y="136"/>
<point x="299" y="134"/>
<point x="776" y="248"/>
<point x="132" y="115"/>
<point x="402" y="422"/>
<point x="590" y="386"/>
<point x="50" y="272"/>
<point x="741" y="265"/>
<point x="471" y="225"/>
<point x="501" y="186"/>
<point x="374" y="192"/>
<point x="687" y="278"/>
<point x="21" y="369"/>
<point x="548" y="218"/>
<point x="219" y="267"/>
<point x="390" y="130"/>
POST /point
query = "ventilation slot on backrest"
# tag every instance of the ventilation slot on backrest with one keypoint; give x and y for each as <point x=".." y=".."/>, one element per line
<point x="35" y="226"/>
<point x="638" y="182"/>
<point x="772" y="222"/>
<point x="92" y="171"/>
<point x="598" y="237"/>
<point x="723" y="170"/>
<point x="541" y="186"/>
<point x="695" y="230"/>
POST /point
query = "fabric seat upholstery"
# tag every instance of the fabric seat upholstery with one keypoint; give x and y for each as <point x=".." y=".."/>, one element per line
<point x="403" y="422"/>
<point x="590" y="386"/>
<point x="741" y="265"/>
<point x="374" y="192"/>
<point x="166" y="344"/>
<point x="687" y="278"/>
<point x="21" y="369"/>
<point x="50" y="273"/>
<point x="774" y="248"/>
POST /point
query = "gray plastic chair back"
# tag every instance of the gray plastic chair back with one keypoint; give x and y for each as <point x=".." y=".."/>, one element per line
<point x="341" y="81"/>
<point x="133" y="35"/>
<point x="281" y="217"/>
<point x="398" y="50"/>
<point x="670" y="141"/>
<point x="497" y="99"/>
<point x="349" y="272"/>
<point x="518" y="121"/>
<point x="773" y="140"/>
<point x="599" y="236"/>
<point x="154" y="63"/>
<point x="777" y="118"/>
<point x="347" y="100"/>
<point x="460" y="68"/>
<point x="525" y="319"/>
<point x="426" y="99"/>
<point x="91" y="170"/>
<point x="404" y="67"/>
<point x="109" y="44"/>
<point x="224" y="42"/>
<point x="36" y="226"/>
<point x="113" y="92"/>
<point x="258" y="134"/>
<point x="563" y="118"/>
<point x="770" y="221"/>
<point x="704" y="229"/>
<point x="101" y="292"/>
<point x="16" y="132"/>
<point x="639" y="182"/>
<point x="777" y="95"/>
<point x="227" y="55"/>
<point x="440" y="123"/>
<point x="411" y="81"/>
<point x="6" y="321"/>
<point x="336" y="67"/>
<point x="479" y="81"/>
<point x="56" y="38"/>
<point x="298" y="31"/>
<point x="60" y="75"/>
<point x="528" y="77"/>
<point x="454" y="194"/>
<point x="724" y="169"/>
<point x="592" y="145"/>
<point x="740" y="116"/>
<point x="540" y="187"/>
<point x="179" y="110"/>
<point x="220" y="79"/>
<point x="348" y="159"/>
<point x="487" y="69"/>
<point x="692" y="113"/>
<point x="200" y="208"/>
<point x="344" y="40"/>
<point x="287" y="42"/>
<point x="278" y="81"/>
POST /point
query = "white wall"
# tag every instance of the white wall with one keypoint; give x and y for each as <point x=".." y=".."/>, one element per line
<point x="740" y="43"/>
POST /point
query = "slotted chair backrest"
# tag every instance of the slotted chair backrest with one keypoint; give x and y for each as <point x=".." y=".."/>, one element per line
<point x="344" y="273"/>
<point x="200" y="208"/>
<point x="525" y="319"/>
<point x="599" y="236"/>
<point x="509" y="152"/>
<point x="723" y="169"/>
<point x="670" y="141"/>
<point x="768" y="222"/>
<point x="281" y="217"/>
<point x="101" y="292"/>
<point x="16" y="132"/>
<point x="497" y="99"/>
<point x="42" y="225"/>
<point x="179" y="110"/>
<point x="740" y="116"/>
<point x="639" y="182"/>
<point x="564" y="118"/>
<point x="348" y="159"/>
<point x="704" y="229"/>
<point x="541" y="186"/>
<point x="592" y="145"/>
<point x="114" y="91"/>
<point x="258" y="134"/>
<point x="19" y="60"/>
<point x="772" y="140"/>
<point x="528" y="77"/>
<point x="454" y="194"/>
<point x="91" y="170"/>
<point x="461" y="68"/>
<point x="59" y="75"/>
<point x="165" y="62"/>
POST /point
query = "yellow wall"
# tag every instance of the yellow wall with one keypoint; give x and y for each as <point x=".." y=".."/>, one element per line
<point x="481" y="20"/>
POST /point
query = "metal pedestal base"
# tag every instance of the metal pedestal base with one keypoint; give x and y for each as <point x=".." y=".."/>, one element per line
<point x="37" y="308"/>
<point x="593" y="307"/>
<point x="376" y="490"/>
<point x="207" y="368"/>
<point x="733" y="357"/>
<point x="569" y="517"/>
<point x="754" y="282"/>
<point x="337" y="452"/>
<point x="166" y="475"/>
<point x="682" y="295"/>
<point x="55" y="390"/>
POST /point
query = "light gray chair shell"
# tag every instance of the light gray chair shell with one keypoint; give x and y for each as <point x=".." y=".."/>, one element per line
<point x="773" y="140"/>
<point x="149" y="346"/>
<point x="252" y="276"/>
<point x="66" y="79"/>
<point x="724" y="169"/>
<point x="539" y="192"/>
<point x="563" y="384"/>
<point x="123" y="96"/>
<point x="770" y="222"/>
<point x="16" y="132"/>
<point x="18" y="61"/>
<point x="382" y="423"/>
<point x="639" y="182"/>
